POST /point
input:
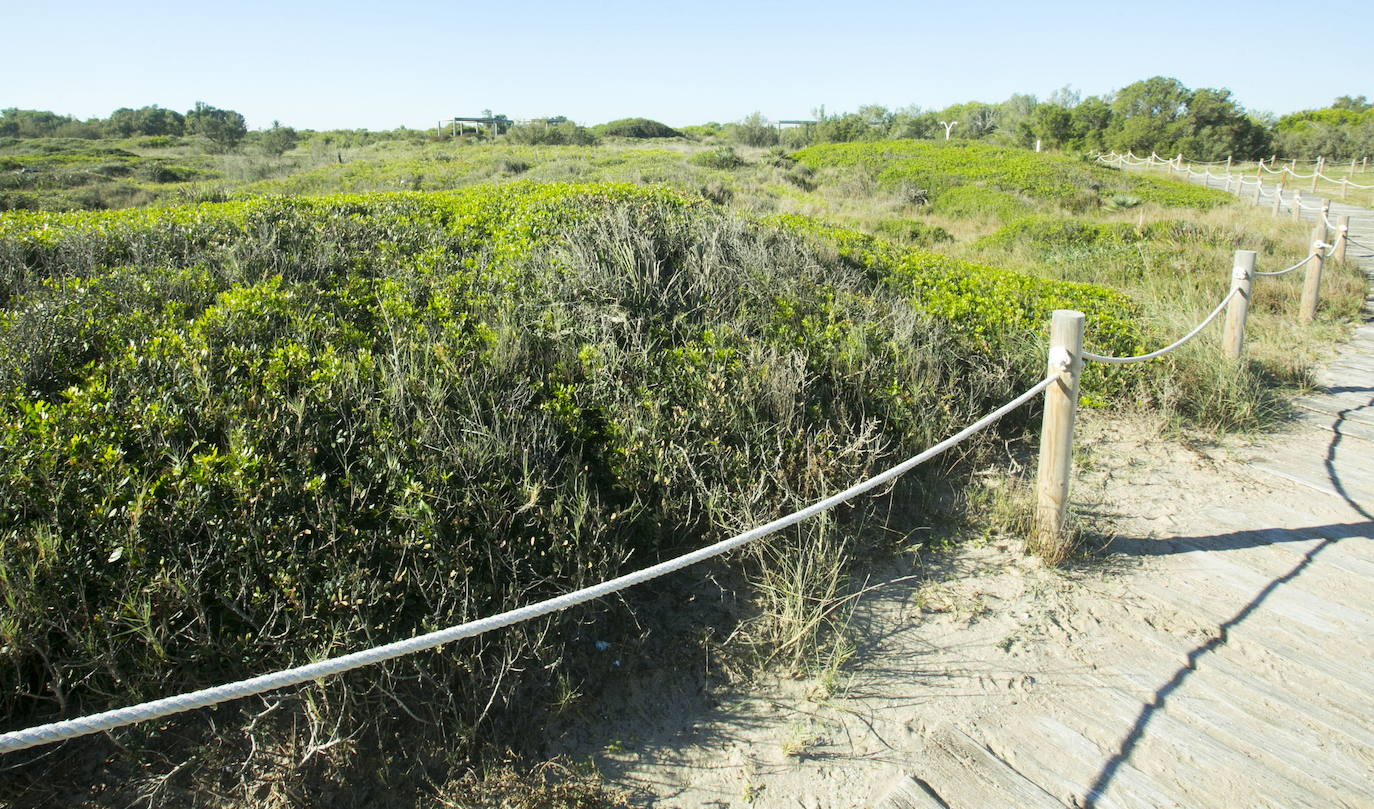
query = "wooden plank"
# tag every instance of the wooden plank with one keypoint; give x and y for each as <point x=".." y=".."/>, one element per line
<point x="964" y="773"/>
<point x="1328" y="420"/>
<point x="1066" y="764"/>
<point x="1196" y="768"/>
<point x="1271" y="639"/>
<point x="909" y="793"/>
<point x="1201" y="696"/>
<point x="1257" y="689"/>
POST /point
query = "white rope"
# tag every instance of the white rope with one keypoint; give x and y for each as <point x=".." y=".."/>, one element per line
<point x="1165" y="350"/>
<point x="1287" y="270"/>
<point x="109" y="720"/>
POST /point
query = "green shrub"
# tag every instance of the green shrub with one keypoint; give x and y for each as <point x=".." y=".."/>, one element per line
<point x="723" y="158"/>
<point x="565" y="133"/>
<point x="912" y="232"/>
<point x="977" y="202"/>
<point x="636" y="128"/>
<point x="244" y="435"/>
<point x="938" y="166"/>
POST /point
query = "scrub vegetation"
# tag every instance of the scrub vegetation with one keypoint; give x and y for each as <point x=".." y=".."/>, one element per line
<point x="287" y="404"/>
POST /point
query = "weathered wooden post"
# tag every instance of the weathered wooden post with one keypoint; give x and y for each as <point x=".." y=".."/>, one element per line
<point x="1312" y="281"/>
<point x="1316" y="173"/>
<point x="1345" y="187"/>
<point x="1242" y="274"/>
<point x="1259" y="189"/>
<point x="1278" y="196"/>
<point x="1342" y="230"/>
<point x="1228" y="165"/>
<point x="1056" y="434"/>
<point x="1297" y="204"/>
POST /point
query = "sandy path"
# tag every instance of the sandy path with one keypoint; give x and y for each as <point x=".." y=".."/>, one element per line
<point x="1219" y="652"/>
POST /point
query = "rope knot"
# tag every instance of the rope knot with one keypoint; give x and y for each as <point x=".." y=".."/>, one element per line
<point x="1060" y="359"/>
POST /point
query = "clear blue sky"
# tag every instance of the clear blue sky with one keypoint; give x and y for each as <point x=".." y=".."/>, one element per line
<point x="378" y="65"/>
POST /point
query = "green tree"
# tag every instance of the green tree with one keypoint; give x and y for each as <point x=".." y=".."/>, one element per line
<point x="224" y="128"/>
<point x="754" y="130"/>
<point x="278" y="140"/>
<point x="1352" y="103"/>
<point x="1053" y="125"/>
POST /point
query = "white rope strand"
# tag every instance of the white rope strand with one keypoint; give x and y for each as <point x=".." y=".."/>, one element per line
<point x="1172" y="346"/>
<point x="1287" y="270"/>
<point x="109" y="720"/>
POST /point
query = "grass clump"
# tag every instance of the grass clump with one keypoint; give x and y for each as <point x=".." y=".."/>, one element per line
<point x="909" y="231"/>
<point x="723" y="158"/>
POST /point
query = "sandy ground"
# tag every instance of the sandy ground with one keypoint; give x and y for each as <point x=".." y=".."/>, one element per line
<point x="989" y="652"/>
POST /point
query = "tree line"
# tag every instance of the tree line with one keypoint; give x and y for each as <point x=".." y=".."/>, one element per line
<point x="1158" y="114"/>
<point x="224" y="128"/>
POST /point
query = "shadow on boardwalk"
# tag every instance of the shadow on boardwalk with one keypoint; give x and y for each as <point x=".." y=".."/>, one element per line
<point x="1329" y="534"/>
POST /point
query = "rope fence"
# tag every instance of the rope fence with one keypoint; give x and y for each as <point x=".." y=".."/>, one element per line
<point x="167" y="706"/>
<point x="1169" y="348"/>
<point x="1296" y="205"/>
<point x="1179" y="164"/>
<point x="1060" y="387"/>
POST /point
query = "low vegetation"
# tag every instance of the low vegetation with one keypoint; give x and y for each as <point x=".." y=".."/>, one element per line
<point x="294" y="403"/>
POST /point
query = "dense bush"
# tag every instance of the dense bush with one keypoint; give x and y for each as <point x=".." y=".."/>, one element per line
<point x="563" y="133"/>
<point x="636" y="128"/>
<point x="244" y="435"/>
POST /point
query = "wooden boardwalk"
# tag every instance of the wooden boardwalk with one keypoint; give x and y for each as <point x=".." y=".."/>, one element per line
<point x="1238" y="671"/>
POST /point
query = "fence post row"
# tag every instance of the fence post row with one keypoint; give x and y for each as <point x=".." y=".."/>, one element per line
<point x="1242" y="275"/>
<point x="1312" y="281"/>
<point x="1056" y="434"/>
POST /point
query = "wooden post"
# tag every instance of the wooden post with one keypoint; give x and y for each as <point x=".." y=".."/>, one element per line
<point x="1056" y="434"/>
<point x="1316" y="173"/>
<point x="1242" y="274"/>
<point x="1312" y="282"/>
<point x="1345" y="187"/>
<point x="1297" y="205"/>
<point x="1342" y="231"/>
<point x="1259" y="189"/>
<point x="1228" y="164"/>
<point x="1278" y="196"/>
